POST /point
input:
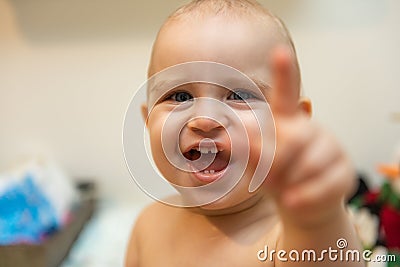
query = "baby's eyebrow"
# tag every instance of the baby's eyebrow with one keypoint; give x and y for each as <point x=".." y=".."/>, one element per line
<point x="261" y="84"/>
<point x="156" y="86"/>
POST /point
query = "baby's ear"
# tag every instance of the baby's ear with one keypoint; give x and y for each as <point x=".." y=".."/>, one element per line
<point x="145" y="111"/>
<point x="305" y="106"/>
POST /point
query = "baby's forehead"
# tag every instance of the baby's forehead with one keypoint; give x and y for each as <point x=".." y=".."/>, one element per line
<point x="216" y="38"/>
<point x="264" y="24"/>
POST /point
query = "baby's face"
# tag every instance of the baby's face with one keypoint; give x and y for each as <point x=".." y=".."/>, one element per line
<point x="241" y="45"/>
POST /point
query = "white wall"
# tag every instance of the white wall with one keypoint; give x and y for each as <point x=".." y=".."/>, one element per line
<point x="68" y="70"/>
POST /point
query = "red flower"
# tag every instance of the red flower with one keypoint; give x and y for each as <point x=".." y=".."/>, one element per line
<point x="371" y="197"/>
<point x="390" y="223"/>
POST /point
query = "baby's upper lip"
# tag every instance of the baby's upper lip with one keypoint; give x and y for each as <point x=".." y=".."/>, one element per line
<point x="207" y="145"/>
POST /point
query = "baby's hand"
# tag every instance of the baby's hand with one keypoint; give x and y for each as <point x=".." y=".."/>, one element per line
<point x="311" y="174"/>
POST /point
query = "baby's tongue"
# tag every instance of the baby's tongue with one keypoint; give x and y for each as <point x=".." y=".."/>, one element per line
<point x="219" y="163"/>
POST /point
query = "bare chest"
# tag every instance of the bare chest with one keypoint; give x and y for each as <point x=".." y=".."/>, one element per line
<point x="191" y="249"/>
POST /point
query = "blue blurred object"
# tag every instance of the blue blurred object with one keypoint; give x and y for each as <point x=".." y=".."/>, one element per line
<point x="26" y="214"/>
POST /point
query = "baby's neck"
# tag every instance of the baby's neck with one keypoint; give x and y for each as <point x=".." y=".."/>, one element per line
<point x="247" y="215"/>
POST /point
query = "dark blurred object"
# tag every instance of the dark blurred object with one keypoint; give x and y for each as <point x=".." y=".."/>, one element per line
<point x="362" y="188"/>
<point x="56" y="247"/>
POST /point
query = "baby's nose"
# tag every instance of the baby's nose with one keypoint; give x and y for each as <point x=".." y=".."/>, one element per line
<point x="208" y="114"/>
<point x="204" y="124"/>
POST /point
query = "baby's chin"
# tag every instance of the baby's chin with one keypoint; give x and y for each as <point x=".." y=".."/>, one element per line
<point x="229" y="204"/>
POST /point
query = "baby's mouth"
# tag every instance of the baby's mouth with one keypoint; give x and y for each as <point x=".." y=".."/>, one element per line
<point x="215" y="155"/>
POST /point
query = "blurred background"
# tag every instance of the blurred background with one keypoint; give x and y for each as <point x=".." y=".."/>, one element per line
<point x="68" y="70"/>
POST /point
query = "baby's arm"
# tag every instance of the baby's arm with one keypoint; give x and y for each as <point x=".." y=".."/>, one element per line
<point x="143" y="226"/>
<point x="310" y="178"/>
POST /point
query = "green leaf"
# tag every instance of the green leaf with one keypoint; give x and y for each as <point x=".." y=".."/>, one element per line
<point x="385" y="193"/>
<point x="357" y="202"/>
<point x="396" y="262"/>
<point x="394" y="200"/>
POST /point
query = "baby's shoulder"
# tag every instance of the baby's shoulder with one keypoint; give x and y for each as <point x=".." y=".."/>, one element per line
<point x="157" y="210"/>
<point x="151" y="227"/>
<point x="153" y="217"/>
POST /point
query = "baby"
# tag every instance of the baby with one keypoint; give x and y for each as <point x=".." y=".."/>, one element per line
<point x="297" y="215"/>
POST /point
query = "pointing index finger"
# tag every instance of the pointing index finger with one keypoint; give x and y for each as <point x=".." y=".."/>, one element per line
<point x="285" y="91"/>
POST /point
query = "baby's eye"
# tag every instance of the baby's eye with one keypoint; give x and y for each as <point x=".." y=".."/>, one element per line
<point x="181" y="97"/>
<point x="241" y="95"/>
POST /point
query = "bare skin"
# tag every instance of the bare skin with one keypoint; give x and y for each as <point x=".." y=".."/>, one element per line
<point x="301" y="204"/>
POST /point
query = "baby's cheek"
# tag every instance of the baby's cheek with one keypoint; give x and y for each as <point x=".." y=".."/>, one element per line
<point x="254" y="134"/>
<point x="261" y="135"/>
<point x="162" y="164"/>
<point x="170" y="172"/>
<point x="156" y="147"/>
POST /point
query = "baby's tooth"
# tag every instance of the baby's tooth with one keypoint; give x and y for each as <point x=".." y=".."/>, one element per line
<point x="212" y="171"/>
<point x="206" y="150"/>
<point x="206" y="172"/>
